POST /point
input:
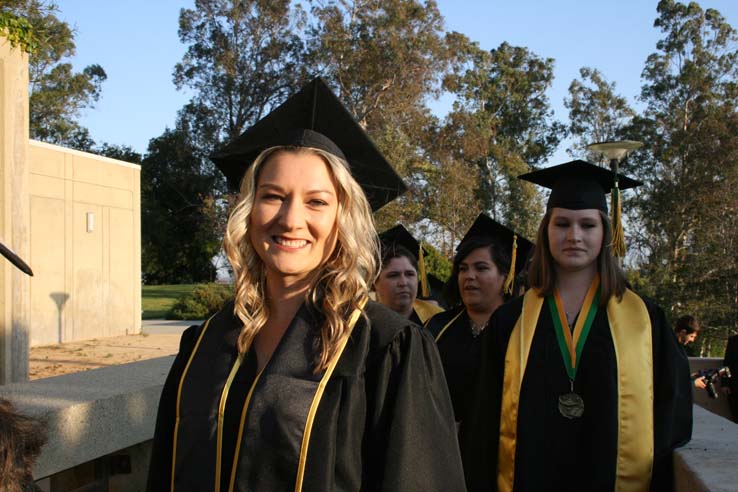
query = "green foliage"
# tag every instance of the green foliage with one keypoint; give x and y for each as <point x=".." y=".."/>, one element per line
<point x="204" y="301"/>
<point x="57" y="98"/>
<point x="157" y="300"/>
<point x="182" y="221"/>
<point x="58" y="94"/>
<point x="688" y="206"/>
<point x="436" y="263"/>
<point x="243" y="56"/>
<point x="502" y="124"/>
<point x="385" y="60"/>
<point x="451" y="203"/>
<point x="120" y="152"/>
<point x="18" y="31"/>
<point x="596" y="112"/>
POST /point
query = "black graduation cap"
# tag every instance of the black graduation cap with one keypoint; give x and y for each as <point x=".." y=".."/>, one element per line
<point x="398" y="235"/>
<point x="15" y="259"/>
<point x="314" y="117"/>
<point x="484" y="226"/>
<point x="516" y="245"/>
<point x="579" y="185"/>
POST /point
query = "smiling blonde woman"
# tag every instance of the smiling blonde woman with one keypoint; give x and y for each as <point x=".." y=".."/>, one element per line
<point x="302" y="383"/>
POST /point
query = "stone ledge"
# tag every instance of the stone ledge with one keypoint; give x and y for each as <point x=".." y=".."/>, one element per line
<point x="102" y="411"/>
<point x="94" y="413"/>
<point x="708" y="462"/>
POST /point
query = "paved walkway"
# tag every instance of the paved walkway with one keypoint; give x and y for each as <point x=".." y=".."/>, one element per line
<point x="158" y="338"/>
<point x="166" y="326"/>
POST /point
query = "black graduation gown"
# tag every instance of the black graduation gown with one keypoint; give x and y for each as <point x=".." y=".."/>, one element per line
<point x="731" y="360"/>
<point x="557" y="454"/>
<point x="384" y="421"/>
<point x="415" y="318"/>
<point x="460" y="353"/>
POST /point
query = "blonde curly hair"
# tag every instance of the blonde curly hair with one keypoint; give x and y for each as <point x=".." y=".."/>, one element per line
<point x="338" y="286"/>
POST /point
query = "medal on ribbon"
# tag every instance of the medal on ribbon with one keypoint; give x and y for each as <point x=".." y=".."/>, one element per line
<point x="571" y="405"/>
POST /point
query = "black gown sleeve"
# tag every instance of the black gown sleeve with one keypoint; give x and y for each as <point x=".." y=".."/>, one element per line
<point x="411" y="438"/>
<point x="160" y="465"/>
<point x="672" y="398"/>
<point x="731" y="356"/>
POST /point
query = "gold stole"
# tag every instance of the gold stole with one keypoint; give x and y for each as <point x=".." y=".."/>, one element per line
<point x="630" y="327"/>
<point x="425" y="310"/>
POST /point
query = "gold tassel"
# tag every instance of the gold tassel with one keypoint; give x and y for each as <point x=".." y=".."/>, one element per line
<point x="424" y="291"/>
<point x="618" y="235"/>
<point x="510" y="280"/>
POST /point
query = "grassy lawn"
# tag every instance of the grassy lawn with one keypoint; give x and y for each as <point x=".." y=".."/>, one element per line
<point x="156" y="300"/>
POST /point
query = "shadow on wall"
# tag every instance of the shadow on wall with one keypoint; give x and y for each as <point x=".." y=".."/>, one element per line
<point x="60" y="299"/>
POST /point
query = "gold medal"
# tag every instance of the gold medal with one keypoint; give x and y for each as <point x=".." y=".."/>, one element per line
<point x="571" y="405"/>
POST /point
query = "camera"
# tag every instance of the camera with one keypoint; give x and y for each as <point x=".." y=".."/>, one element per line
<point x="711" y="376"/>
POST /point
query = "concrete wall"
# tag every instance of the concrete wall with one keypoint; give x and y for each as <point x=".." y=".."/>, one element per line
<point x="14" y="212"/>
<point x="87" y="281"/>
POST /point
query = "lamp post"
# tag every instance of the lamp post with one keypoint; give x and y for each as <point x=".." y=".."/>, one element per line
<point x="614" y="152"/>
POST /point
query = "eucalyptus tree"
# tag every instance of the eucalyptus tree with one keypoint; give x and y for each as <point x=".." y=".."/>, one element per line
<point x="690" y="164"/>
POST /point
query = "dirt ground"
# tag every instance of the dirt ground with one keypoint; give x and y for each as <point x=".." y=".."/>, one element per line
<point x="55" y="360"/>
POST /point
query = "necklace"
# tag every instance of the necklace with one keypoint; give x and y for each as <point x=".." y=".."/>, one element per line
<point x="477" y="329"/>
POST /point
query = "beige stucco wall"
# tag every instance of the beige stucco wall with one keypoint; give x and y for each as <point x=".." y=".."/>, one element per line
<point x="14" y="230"/>
<point x="86" y="284"/>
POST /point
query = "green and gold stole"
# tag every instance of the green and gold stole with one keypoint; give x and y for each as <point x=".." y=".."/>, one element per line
<point x="630" y="327"/>
<point x="571" y="342"/>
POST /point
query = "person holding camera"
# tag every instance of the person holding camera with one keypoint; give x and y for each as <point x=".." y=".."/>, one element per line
<point x="687" y="329"/>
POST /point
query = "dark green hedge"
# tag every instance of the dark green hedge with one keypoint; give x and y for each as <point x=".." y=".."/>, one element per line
<point x="204" y="301"/>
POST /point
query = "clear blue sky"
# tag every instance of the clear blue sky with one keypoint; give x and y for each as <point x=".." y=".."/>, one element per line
<point x="136" y="43"/>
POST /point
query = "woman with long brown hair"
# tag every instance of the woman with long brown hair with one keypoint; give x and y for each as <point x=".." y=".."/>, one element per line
<point x="301" y="382"/>
<point x="583" y="386"/>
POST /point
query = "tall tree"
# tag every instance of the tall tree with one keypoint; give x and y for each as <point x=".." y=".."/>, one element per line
<point x="596" y="112"/>
<point x="243" y="56"/>
<point x="386" y="59"/>
<point x="181" y="216"/>
<point x="58" y="94"/>
<point x="451" y="204"/>
<point x="506" y="125"/>
<point x="121" y="152"/>
<point x="690" y="165"/>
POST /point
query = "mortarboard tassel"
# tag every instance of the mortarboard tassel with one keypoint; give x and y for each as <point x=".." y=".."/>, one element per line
<point x="618" y="236"/>
<point x="424" y="291"/>
<point x="508" y="286"/>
